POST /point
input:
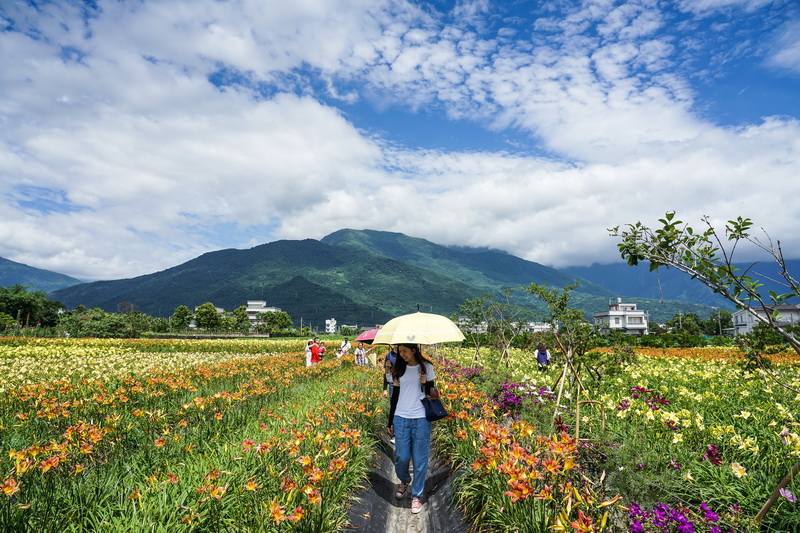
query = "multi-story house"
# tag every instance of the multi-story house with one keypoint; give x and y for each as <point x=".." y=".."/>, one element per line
<point x="624" y="317"/>
<point x="258" y="306"/>
<point x="744" y="321"/>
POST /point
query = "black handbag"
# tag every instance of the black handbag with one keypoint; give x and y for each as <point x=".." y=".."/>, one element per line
<point x="434" y="410"/>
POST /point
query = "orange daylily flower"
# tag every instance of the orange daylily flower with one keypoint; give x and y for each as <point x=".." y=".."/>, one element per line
<point x="583" y="524"/>
<point x="10" y="487"/>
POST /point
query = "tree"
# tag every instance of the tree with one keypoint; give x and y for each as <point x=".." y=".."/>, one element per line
<point x="717" y="322"/>
<point x="227" y="323"/>
<point x="207" y="317"/>
<point x="274" y="320"/>
<point x="473" y="321"/>
<point x="181" y="318"/>
<point x="138" y="322"/>
<point x="241" y="319"/>
<point x="572" y="334"/>
<point x="6" y="320"/>
<point x="708" y="256"/>
<point x="575" y="335"/>
<point x="96" y="323"/>
<point x="688" y="323"/>
<point x="496" y="320"/>
<point x="29" y="307"/>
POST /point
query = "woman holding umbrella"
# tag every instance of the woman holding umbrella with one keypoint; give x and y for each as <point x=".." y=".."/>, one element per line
<point x="413" y="378"/>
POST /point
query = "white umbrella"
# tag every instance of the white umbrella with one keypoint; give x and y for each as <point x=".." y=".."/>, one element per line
<point x="419" y="328"/>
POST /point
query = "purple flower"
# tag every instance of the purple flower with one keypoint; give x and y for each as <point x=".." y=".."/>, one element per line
<point x="786" y="493"/>
<point x="660" y="515"/>
<point x="636" y="527"/>
<point x="708" y="514"/>
<point x="712" y="455"/>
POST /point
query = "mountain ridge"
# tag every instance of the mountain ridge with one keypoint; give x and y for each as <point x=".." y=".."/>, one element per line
<point x="13" y="273"/>
<point x="359" y="277"/>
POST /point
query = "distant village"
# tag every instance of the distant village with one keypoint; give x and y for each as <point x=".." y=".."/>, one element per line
<point x="620" y="316"/>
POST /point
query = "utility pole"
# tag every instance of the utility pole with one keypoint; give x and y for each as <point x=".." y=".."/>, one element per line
<point x="719" y="319"/>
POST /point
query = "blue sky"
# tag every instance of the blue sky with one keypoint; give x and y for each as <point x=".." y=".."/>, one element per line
<point x="138" y="134"/>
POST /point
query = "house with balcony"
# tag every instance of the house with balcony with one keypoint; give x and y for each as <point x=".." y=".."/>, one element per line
<point x="744" y="321"/>
<point x="624" y="317"/>
<point x="254" y="307"/>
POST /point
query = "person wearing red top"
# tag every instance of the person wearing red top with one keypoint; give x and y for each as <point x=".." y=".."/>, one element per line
<point x="315" y="358"/>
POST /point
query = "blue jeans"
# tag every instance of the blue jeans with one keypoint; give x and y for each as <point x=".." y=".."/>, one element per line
<point x="412" y="441"/>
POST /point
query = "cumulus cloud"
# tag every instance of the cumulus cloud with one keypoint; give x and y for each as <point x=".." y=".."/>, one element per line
<point x="138" y="135"/>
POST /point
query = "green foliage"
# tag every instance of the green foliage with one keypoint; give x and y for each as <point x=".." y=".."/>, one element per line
<point x="274" y="321"/>
<point x="29" y="307"/>
<point x="97" y="323"/>
<point x="241" y="319"/>
<point x="704" y="255"/>
<point x="207" y="317"/>
<point x="717" y="322"/>
<point x="181" y="318"/>
<point x="605" y="364"/>
<point x="575" y="334"/>
<point x="675" y="340"/>
<point x="685" y="323"/>
<point x="349" y="332"/>
<point x="138" y="323"/>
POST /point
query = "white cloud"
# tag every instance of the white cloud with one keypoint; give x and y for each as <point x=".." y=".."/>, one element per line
<point x="120" y="158"/>
<point x="787" y="50"/>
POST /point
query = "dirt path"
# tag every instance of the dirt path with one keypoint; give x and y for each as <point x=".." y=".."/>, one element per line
<point x="376" y="510"/>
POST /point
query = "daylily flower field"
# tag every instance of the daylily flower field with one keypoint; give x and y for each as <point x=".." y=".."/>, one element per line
<point x="178" y="436"/>
<point x="689" y="440"/>
<point x="144" y="435"/>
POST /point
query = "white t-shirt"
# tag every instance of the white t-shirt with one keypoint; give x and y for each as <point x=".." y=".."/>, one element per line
<point x="409" y="403"/>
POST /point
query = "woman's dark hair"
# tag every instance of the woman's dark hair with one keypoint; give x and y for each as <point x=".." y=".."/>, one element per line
<point x="400" y="365"/>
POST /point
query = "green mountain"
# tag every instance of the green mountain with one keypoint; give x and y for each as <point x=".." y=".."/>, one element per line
<point x="485" y="269"/>
<point x="494" y="270"/>
<point x="308" y="279"/>
<point x="357" y="277"/>
<point x="12" y="273"/>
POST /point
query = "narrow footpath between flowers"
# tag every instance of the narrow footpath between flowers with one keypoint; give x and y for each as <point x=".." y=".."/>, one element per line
<point x="376" y="510"/>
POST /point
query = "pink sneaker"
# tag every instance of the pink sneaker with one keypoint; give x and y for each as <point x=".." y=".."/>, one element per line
<point x="416" y="504"/>
<point x="402" y="488"/>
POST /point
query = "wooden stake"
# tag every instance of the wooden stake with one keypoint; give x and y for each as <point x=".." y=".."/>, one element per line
<point x="777" y="492"/>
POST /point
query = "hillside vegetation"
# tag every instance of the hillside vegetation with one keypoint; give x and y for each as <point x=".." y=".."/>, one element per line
<point x="357" y="277"/>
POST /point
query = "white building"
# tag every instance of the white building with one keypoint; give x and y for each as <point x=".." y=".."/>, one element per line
<point x="330" y="326"/>
<point x="622" y="317"/>
<point x="258" y="306"/>
<point x="744" y="321"/>
<point x="540" y="327"/>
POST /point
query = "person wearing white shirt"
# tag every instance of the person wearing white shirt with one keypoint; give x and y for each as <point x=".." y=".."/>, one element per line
<point x="345" y="349"/>
<point x="413" y="378"/>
